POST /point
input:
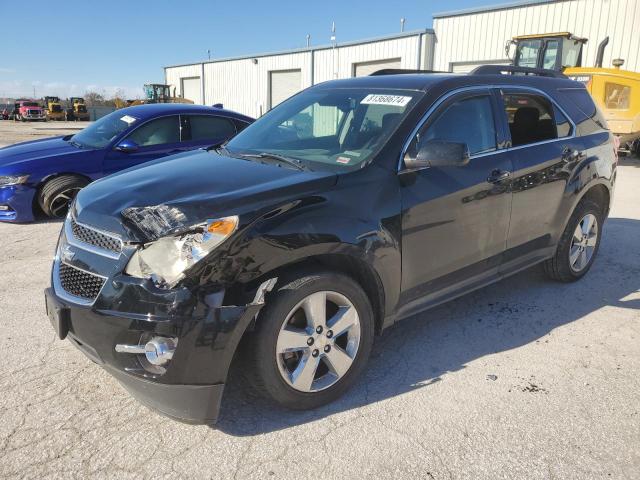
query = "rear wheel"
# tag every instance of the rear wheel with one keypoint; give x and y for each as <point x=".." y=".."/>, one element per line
<point x="56" y="195"/>
<point x="578" y="245"/>
<point x="312" y="340"/>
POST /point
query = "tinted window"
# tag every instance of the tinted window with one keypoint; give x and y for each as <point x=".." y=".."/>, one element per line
<point x="207" y="127"/>
<point x="468" y="121"/>
<point x="530" y="118"/>
<point x="157" y="132"/>
<point x="584" y="103"/>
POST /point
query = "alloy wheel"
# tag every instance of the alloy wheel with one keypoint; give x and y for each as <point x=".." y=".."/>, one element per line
<point x="318" y="341"/>
<point x="60" y="203"/>
<point x="583" y="243"/>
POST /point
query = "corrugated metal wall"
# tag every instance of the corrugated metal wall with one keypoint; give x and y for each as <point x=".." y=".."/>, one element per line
<point x="243" y="84"/>
<point x="482" y="36"/>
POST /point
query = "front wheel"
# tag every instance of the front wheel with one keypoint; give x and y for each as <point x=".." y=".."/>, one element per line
<point x="312" y="340"/>
<point x="578" y="245"/>
<point x="56" y="195"/>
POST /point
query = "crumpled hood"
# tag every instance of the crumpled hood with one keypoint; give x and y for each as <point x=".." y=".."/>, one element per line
<point x="19" y="158"/>
<point x="197" y="186"/>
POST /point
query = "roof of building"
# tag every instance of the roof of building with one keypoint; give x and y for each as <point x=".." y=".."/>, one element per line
<point x="493" y="8"/>
<point x="310" y="49"/>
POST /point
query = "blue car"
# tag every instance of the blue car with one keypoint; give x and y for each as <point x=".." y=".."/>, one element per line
<point x="44" y="175"/>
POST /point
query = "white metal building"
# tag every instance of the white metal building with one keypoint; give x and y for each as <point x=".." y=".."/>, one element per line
<point x="255" y="83"/>
<point x="468" y="38"/>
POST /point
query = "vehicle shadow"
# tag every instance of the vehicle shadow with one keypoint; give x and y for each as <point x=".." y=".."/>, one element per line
<point x="417" y="352"/>
<point x="629" y="161"/>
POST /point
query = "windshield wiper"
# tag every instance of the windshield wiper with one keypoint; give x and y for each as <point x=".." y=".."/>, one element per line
<point x="280" y="158"/>
<point x="76" y="144"/>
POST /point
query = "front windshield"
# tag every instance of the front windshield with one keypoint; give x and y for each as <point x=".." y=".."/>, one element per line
<point x="30" y="104"/>
<point x="527" y="53"/>
<point x="103" y="131"/>
<point x="336" y="128"/>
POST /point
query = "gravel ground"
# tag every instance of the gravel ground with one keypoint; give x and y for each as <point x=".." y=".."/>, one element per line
<point x="523" y="379"/>
<point x="13" y="132"/>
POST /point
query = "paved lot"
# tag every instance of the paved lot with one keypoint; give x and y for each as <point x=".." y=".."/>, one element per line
<point x="523" y="379"/>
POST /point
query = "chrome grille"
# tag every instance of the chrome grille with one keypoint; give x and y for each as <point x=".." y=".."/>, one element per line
<point x="80" y="283"/>
<point x="95" y="238"/>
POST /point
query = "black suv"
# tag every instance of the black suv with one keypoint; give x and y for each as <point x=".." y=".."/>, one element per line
<point x="352" y="205"/>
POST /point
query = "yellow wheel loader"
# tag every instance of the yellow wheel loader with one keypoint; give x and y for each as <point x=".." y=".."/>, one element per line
<point x="77" y="110"/>
<point x="157" y="93"/>
<point x="615" y="91"/>
<point x="53" y="108"/>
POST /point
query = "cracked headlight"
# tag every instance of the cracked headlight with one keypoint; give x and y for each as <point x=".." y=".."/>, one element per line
<point x="166" y="259"/>
<point x="7" y="180"/>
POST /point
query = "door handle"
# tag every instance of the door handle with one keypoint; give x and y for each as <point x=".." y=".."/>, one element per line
<point x="498" y="176"/>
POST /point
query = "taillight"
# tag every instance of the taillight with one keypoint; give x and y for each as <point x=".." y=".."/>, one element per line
<point x="616" y="147"/>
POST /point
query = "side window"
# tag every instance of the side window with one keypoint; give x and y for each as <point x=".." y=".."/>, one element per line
<point x="207" y="127"/>
<point x="550" y="55"/>
<point x="468" y="121"/>
<point x="530" y="118"/>
<point x="585" y="104"/>
<point x="157" y="132"/>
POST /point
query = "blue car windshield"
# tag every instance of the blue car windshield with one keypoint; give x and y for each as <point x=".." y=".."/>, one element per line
<point x="104" y="130"/>
<point x="335" y="129"/>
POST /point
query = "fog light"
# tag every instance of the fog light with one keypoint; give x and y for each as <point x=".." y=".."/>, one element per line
<point x="159" y="350"/>
<point x="4" y="208"/>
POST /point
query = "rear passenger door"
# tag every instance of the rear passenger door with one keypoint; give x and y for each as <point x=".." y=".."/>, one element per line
<point x="542" y="143"/>
<point x="205" y="130"/>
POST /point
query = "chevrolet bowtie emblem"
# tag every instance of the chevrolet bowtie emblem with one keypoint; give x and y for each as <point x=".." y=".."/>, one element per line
<point x="67" y="254"/>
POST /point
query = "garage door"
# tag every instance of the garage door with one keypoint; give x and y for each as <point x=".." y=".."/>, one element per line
<point x="191" y="89"/>
<point x="367" y="68"/>
<point x="466" y="67"/>
<point x="283" y="84"/>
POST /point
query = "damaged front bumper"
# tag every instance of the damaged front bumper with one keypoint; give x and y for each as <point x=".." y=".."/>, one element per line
<point x="189" y="388"/>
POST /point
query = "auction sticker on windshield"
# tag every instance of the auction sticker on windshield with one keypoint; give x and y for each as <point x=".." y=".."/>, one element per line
<point x="378" y="99"/>
<point x="128" y="119"/>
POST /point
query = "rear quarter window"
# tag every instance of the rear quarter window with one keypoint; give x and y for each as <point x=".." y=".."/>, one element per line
<point x="589" y="117"/>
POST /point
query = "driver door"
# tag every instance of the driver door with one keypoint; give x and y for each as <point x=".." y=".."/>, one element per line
<point x="455" y="219"/>
<point x="154" y="139"/>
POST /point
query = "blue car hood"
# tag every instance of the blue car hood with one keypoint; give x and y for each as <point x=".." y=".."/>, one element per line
<point x="19" y="158"/>
<point x="191" y="188"/>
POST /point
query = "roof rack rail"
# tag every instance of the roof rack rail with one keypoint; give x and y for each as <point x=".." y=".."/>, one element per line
<point x="501" y="69"/>
<point x="400" y="71"/>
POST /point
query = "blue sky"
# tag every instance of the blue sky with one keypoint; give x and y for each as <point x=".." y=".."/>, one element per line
<point x="66" y="47"/>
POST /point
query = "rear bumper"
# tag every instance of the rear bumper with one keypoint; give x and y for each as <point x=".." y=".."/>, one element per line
<point x="16" y="203"/>
<point x="191" y="388"/>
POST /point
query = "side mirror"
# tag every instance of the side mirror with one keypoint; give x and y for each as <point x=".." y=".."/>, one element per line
<point x="127" y="146"/>
<point x="510" y="49"/>
<point x="438" y="154"/>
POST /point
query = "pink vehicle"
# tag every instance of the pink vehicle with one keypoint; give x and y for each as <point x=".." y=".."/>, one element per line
<point x="25" y="109"/>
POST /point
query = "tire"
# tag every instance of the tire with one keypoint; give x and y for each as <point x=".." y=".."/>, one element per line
<point x="57" y="194"/>
<point x="272" y="374"/>
<point x="570" y="263"/>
